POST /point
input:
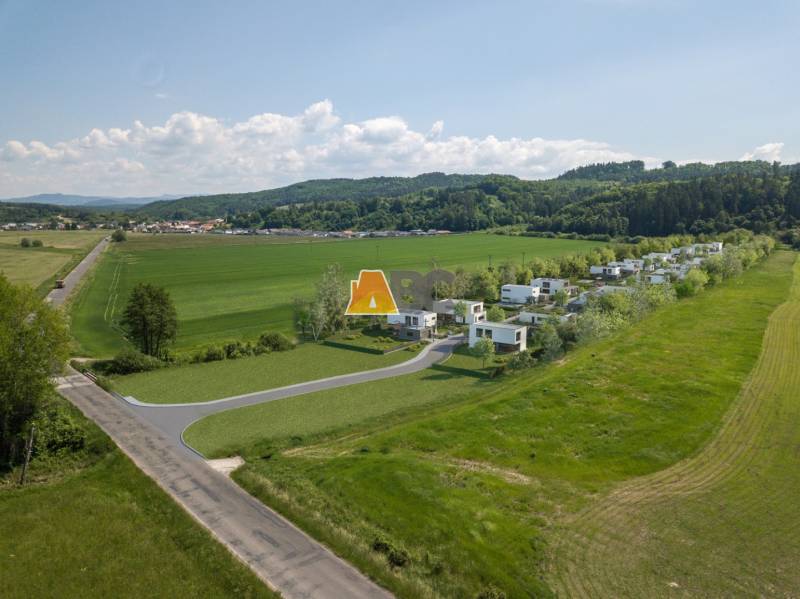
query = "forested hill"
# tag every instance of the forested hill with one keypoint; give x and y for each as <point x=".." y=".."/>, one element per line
<point x="762" y="200"/>
<point x="635" y="172"/>
<point x="320" y="190"/>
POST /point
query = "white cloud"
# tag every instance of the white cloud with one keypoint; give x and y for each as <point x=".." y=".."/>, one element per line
<point x="192" y="152"/>
<point x="770" y="152"/>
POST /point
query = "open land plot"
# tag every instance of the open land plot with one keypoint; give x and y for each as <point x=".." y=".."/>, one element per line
<point x="237" y="290"/>
<point x="476" y="493"/>
<point x="255" y="429"/>
<point x="215" y="380"/>
<point x="39" y="267"/>
<point x="104" y="529"/>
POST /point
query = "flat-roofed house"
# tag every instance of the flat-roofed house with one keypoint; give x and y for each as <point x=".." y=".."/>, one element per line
<point x="506" y="337"/>
<point x="445" y="310"/>
<point x="608" y="271"/>
<point x="413" y="324"/>
<point x="519" y="294"/>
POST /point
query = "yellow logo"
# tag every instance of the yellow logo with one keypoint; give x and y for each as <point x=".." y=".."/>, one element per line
<point x="370" y="295"/>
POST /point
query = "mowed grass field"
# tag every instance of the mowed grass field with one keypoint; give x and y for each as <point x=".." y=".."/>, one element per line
<point x="39" y="267"/>
<point x="215" y="380"/>
<point x="723" y="523"/>
<point x="107" y="530"/>
<point x="255" y="430"/>
<point x="479" y="491"/>
<point x="235" y="288"/>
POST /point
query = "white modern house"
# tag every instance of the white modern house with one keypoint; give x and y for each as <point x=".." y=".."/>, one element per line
<point x="608" y="271"/>
<point x="658" y="277"/>
<point x="548" y="286"/>
<point x="685" y="250"/>
<point x="658" y="258"/>
<point x="538" y="318"/>
<point x="712" y="248"/>
<point x="519" y="294"/>
<point x="506" y="337"/>
<point x="413" y="324"/>
<point x="445" y="310"/>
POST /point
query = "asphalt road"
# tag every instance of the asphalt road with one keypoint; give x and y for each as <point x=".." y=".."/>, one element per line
<point x="57" y="296"/>
<point x="283" y="556"/>
<point x="287" y="559"/>
<point x="173" y="419"/>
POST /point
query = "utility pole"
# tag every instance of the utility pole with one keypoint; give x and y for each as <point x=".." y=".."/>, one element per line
<point x="28" y="452"/>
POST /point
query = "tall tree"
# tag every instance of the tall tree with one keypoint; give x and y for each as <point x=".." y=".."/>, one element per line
<point x="151" y="319"/>
<point x="332" y="295"/>
<point x="33" y="343"/>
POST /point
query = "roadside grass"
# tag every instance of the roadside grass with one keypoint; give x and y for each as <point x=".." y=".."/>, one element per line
<point x="723" y="522"/>
<point x="232" y="287"/>
<point x="369" y="338"/>
<point x="103" y="529"/>
<point x="259" y="430"/>
<point x="474" y="490"/>
<point x="40" y="267"/>
<point x="216" y="380"/>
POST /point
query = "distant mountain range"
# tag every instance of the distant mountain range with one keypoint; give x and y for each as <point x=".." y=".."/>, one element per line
<point x="60" y="199"/>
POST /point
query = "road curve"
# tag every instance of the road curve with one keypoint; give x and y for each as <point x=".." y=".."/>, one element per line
<point x="283" y="556"/>
<point x="56" y="297"/>
<point x="173" y="419"/>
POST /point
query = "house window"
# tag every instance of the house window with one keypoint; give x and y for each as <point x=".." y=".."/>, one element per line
<point x="488" y="333"/>
<point x="519" y="335"/>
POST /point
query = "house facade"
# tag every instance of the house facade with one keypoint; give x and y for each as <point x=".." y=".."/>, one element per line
<point x="506" y="337"/>
<point x="549" y="287"/>
<point x="413" y="324"/>
<point x="606" y="271"/>
<point x="519" y="294"/>
<point x="445" y="310"/>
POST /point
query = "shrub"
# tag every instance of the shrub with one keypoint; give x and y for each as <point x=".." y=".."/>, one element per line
<point x="37" y="243"/>
<point x="398" y="558"/>
<point x="491" y="592"/>
<point x="57" y="432"/>
<point x="213" y="353"/>
<point x="521" y="361"/>
<point x="119" y="235"/>
<point x="129" y="361"/>
<point x="275" y="341"/>
<point x="25" y="242"/>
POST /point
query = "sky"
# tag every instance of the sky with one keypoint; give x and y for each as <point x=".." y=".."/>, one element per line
<point x="149" y="98"/>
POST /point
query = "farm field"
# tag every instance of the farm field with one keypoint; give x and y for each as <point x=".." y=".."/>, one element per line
<point x="104" y="529"/>
<point x="237" y="290"/>
<point x="39" y="267"/>
<point x="479" y="492"/>
<point x="305" y="417"/>
<point x="215" y="380"/>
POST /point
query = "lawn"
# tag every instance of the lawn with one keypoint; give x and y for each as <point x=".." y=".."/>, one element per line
<point x="258" y="429"/>
<point x="237" y="287"/>
<point x="475" y="491"/>
<point x="215" y="380"/>
<point x="39" y="267"/>
<point x="720" y="524"/>
<point x="106" y="530"/>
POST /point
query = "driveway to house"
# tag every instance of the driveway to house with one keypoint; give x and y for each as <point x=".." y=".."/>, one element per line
<point x="173" y="419"/>
<point x="56" y="297"/>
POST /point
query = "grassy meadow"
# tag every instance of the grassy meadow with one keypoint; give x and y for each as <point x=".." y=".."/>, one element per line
<point x="103" y="529"/>
<point x="40" y="267"/>
<point x="301" y="419"/>
<point x="227" y="288"/>
<point x="476" y="489"/>
<point x="215" y="380"/>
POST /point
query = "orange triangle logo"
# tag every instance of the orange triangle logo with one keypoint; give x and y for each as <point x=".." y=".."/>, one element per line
<point x="370" y="295"/>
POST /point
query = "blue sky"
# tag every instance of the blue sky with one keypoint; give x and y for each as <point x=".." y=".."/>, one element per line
<point x="631" y="78"/>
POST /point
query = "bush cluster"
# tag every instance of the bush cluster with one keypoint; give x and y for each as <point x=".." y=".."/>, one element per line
<point x="396" y="556"/>
<point x="267" y="342"/>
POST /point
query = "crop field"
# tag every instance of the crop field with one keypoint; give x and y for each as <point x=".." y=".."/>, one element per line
<point x="39" y="267"/>
<point x="305" y="417"/>
<point x="236" y="290"/>
<point x="497" y="489"/>
<point x="215" y="380"/>
<point x="104" y="529"/>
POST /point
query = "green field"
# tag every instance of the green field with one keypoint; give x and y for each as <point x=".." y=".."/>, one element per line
<point x="290" y="421"/>
<point x="477" y="490"/>
<point x="236" y="288"/>
<point x="722" y="523"/>
<point x="215" y="380"/>
<point x="104" y="529"/>
<point x="39" y="267"/>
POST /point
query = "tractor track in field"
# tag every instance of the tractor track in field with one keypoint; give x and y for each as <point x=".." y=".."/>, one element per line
<point x="597" y="551"/>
